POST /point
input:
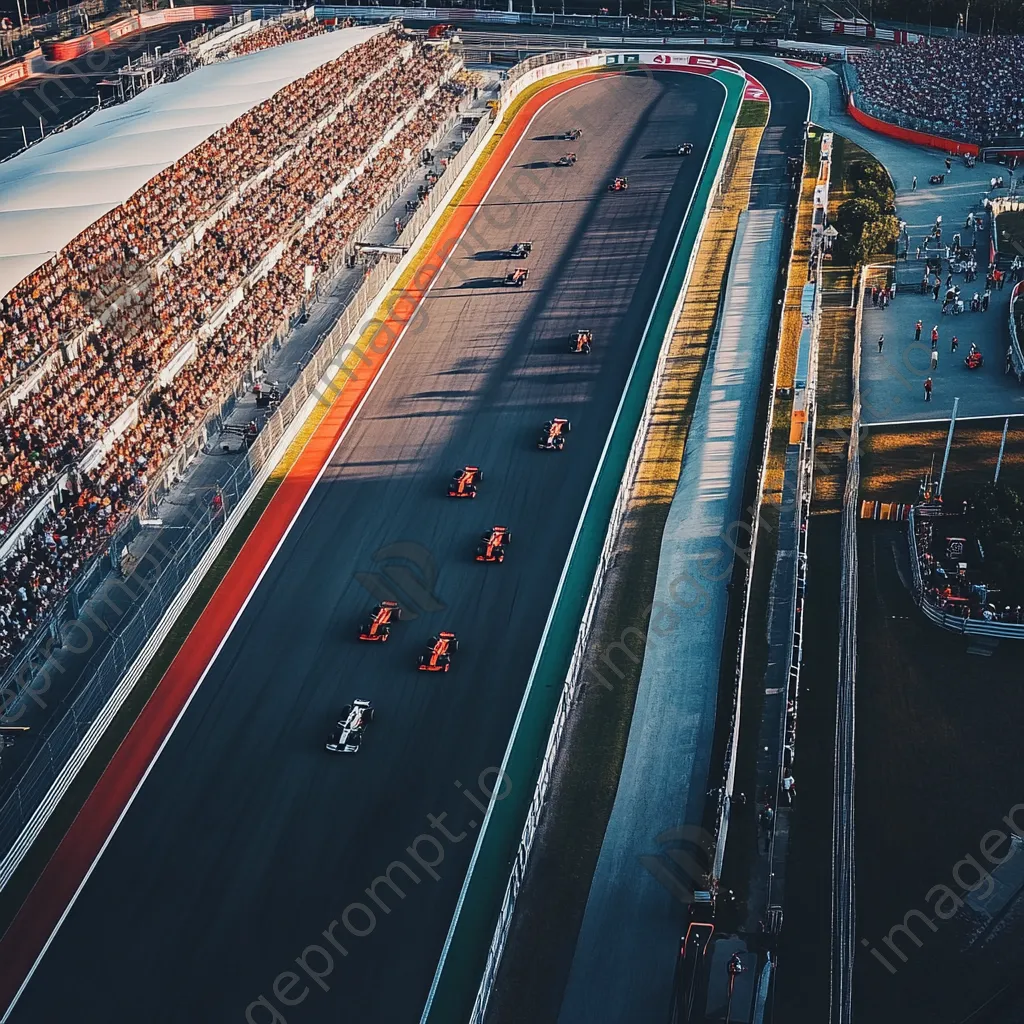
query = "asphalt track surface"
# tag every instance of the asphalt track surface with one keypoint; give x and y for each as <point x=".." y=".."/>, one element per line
<point x="247" y="839"/>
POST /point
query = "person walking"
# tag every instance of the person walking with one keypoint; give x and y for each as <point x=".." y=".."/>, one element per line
<point x="789" y="787"/>
<point x="935" y="359"/>
<point x="954" y="344"/>
<point x="986" y="299"/>
<point x="935" y="336"/>
<point x="917" y="331"/>
<point x="913" y="184"/>
<point x="935" y="290"/>
<point x="927" y="389"/>
<point x="881" y="342"/>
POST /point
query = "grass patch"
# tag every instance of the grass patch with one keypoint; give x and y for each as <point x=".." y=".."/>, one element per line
<point x="753" y="114"/>
<point x="895" y="459"/>
<point x="550" y="906"/>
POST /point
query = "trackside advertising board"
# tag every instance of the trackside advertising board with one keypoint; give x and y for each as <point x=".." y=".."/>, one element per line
<point x="694" y="63"/>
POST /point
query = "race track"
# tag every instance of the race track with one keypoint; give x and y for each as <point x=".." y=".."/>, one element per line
<point x="248" y="839"/>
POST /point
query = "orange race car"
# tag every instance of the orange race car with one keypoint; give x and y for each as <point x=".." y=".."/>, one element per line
<point x="619" y="185"/>
<point x="580" y="341"/>
<point x="517" y="278"/>
<point x="492" y="545"/>
<point x="380" y="621"/>
<point x="552" y="437"/>
<point x="439" y="653"/>
<point x="463" y="483"/>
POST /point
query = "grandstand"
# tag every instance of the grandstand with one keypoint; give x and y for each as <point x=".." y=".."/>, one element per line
<point x="149" y="254"/>
<point x="965" y="88"/>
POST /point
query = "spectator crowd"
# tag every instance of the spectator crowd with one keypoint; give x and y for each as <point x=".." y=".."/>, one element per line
<point x="964" y="87"/>
<point x="62" y="296"/>
<point x="277" y="33"/>
<point x="310" y="207"/>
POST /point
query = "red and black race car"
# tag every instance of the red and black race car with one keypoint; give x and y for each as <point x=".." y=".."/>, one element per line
<point x="492" y="545"/>
<point x="381" y="617"/>
<point x="581" y="341"/>
<point x="552" y="437"/>
<point x="619" y="185"/>
<point x="439" y="653"/>
<point x="567" y="161"/>
<point x="517" y="278"/>
<point x="463" y="483"/>
<point x="573" y="134"/>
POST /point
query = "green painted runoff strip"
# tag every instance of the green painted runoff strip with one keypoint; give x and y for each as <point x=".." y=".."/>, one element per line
<point x="458" y="979"/>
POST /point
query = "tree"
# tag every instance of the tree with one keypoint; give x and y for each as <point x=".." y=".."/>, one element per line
<point x="997" y="520"/>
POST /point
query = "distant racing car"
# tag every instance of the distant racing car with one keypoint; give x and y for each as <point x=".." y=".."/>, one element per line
<point x="381" y="616"/>
<point x="492" y="545"/>
<point x="619" y="185"/>
<point x="580" y="341"/>
<point x="552" y="437"/>
<point x="347" y="735"/>
<point x="439" y="653"/>
<point x="685" y="149"/>
<point x="463" y="483"/>
<point x="567" y="161"/>
<point x="516" y="278"/>
<point x="520" y="250"/>
<point x="573" y="134"/>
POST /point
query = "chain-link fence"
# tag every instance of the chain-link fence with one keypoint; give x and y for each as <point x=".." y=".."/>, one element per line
<point x="157" y="585"/>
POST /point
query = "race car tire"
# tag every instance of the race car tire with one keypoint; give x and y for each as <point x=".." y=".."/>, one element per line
<point x="370" y="714"/>
<point x="481" y="550"/>
<point x="384" y="634"/>
<point x="346" y="710"/>
<point x="397" y="612"/>
<point x="500" y="556"/>
<point x="363" y="630"/>
<point x="455" y="645"/>
<point x="566" y="428"/>
<point x="508" y="538"/>
<point x="586" y="348"/>
<point x="420" y="660"/>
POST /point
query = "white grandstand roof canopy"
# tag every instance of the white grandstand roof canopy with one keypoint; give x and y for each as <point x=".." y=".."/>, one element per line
<point x="62" y="185"/>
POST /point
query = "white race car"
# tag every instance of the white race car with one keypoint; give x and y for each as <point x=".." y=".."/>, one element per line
<point x="347" y="735"/>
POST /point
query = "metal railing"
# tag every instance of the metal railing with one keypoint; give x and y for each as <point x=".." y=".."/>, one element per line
<point x="951" y="621"/>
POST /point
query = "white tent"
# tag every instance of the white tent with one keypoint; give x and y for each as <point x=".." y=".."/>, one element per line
<point x="62" y="185"/>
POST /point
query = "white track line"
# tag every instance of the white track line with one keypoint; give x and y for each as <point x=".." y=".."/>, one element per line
<point x="277" y="548"/>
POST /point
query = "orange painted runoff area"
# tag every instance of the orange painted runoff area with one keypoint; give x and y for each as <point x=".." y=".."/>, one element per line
<point x="60" y="879"/>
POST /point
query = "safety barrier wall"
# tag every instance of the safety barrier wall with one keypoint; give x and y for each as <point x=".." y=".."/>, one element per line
<point x="118" y="663"/>
<point x="619" y="476"/>
<point x="896" y="131"/>
<point x="947" y="620"/>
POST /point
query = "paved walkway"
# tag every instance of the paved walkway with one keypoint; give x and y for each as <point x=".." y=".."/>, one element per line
<point x="892" y="381"/>
<point x="636" y="909"/>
